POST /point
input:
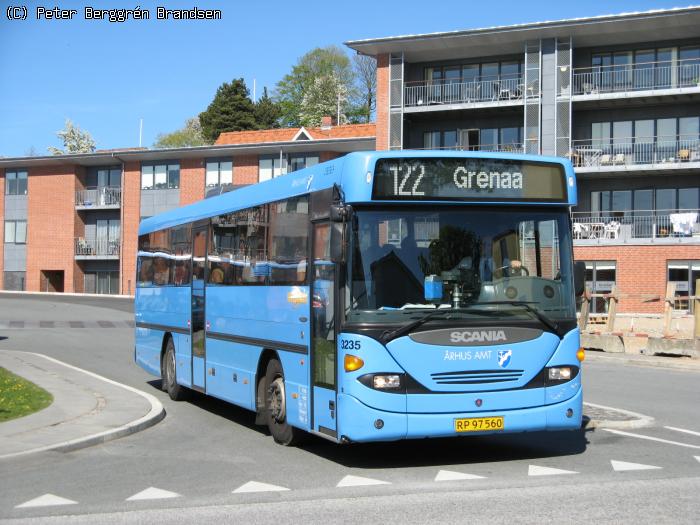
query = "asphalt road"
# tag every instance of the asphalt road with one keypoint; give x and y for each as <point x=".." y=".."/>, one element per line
<point x="205" y="449"/>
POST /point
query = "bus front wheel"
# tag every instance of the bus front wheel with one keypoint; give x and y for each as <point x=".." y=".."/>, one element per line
<point x="169" y="374"/>
<point x="276" y="406"/>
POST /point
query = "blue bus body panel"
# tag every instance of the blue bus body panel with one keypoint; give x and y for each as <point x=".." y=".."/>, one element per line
<point x="160" y="306"/>
<point x="419" y="415"/>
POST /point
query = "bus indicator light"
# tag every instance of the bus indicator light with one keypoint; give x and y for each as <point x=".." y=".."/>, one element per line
<point x="581" y="354"/>
<point x="352" y="363"/>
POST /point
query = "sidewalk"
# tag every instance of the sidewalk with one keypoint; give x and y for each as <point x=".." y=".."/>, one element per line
<point x="87" y="409"/>
<point x="678" y="363"/>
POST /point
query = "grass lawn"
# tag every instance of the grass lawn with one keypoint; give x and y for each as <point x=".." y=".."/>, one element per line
<point x="19" y="397"/>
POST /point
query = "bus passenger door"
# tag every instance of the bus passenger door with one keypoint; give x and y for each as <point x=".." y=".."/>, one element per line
<point x="323" y="341"/>
<point x="199" y="253"/>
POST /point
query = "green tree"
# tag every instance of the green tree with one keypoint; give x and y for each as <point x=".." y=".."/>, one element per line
<point x="231" y="110"/>
<point x="366" y="80"/>
<point x="326" y="96"/>
<point x="267" y="112"/>
<point x="190" y="135"/>
<point x="330" y="63"/>
<point x="74" y="140"/>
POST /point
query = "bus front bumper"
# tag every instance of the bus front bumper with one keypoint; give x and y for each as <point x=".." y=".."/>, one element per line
<point x="358" y="422"/>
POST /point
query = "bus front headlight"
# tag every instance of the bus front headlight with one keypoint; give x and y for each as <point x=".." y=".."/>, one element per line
<point x="560" y="373"/>
<point x="387" y="382"/>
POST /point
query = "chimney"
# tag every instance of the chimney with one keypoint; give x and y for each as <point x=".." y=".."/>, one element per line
<point x="326" y="122"/>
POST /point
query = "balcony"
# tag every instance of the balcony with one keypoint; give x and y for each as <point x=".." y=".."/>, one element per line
<point x="636" y="227"/>
<point x="449" y="94"/>
<point x="91" y="249"/>
<point x="635" y="154"/>
<point x="514" y="147"/>
<point x="102" y="198"/>
<point x="649" y="78"/>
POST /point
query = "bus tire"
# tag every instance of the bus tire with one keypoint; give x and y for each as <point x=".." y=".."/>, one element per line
<point x="169" y="374"/>
<point x="275" y="406"/>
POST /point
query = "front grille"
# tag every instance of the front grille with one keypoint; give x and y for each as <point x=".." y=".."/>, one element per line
<point x="473" y="377"/>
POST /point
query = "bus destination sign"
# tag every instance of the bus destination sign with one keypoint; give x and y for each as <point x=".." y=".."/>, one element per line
<point x="468" y="179"/>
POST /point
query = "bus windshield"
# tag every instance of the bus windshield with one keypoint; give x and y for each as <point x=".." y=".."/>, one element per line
<point x="404" y="261"/>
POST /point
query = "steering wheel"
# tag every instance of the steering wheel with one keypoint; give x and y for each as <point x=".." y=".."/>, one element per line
<point x="509" y="271"/>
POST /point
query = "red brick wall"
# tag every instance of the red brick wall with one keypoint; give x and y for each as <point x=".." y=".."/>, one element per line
<point x="50" y="224"/>
<point x="639" y="270"/>
<point x="2" y="229"/>
<point x="131" y="215"/>
<point x="382" y="102"/>
<point x="191" y="181"/>
<point x="245" y="169"/>
<point x="328" y="155"/>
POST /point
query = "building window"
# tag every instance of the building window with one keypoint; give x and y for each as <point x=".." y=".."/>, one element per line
<point x="665" y="200"/>
<point x="109" y="177"/>
<point x="600" y="279"/>
<point x="683" y="274"/>
<point x="101" y="282"/>
<point x="219" y="173"/>
<point x="15" y="183"/>
<point x="299" y="162"/>
<point x="271" y="167"/>
<point x="160" y="177"/>
<point x="15" y="232"/>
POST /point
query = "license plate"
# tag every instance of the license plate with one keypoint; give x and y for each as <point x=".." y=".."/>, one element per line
<point x="479" y="424"/>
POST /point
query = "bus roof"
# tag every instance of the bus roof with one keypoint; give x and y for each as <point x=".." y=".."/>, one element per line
<point x="352" y="172"/>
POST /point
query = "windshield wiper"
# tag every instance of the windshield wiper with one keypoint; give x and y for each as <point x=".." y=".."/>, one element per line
<point x="541" y="316"/>
<point x="389" y="335"/>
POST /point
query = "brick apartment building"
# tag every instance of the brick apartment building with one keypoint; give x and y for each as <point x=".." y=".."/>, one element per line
<point x="71" y="221"/>
<point x="619" y="95"/>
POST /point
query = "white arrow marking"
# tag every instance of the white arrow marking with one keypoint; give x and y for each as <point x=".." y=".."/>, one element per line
<point x="47" y="500"/>
<point x="534" y="470"/>
<point x="256" y="486"/>
<point x="449" y="475"/>
<point x="358" y="481"/>
<point x="153" y="493"/>
<point x="622" y="466"/>
<point x="642" y="436"/>
<point x="697" y="457"/>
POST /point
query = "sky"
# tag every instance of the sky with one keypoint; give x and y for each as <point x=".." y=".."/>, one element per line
<point x="106" y="77"/>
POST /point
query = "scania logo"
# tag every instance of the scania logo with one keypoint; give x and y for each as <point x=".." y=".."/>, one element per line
<point x="478" y="336"/>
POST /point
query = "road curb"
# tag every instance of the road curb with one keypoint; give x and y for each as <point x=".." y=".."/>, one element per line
<point x="674" y="363"/>
<point x="154" y="416"/>
<point x="639" y="421"/>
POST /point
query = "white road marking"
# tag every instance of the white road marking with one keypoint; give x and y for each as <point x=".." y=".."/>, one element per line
<point x="359" y="481"/>
<point x="450" y="475"/>
<point x="534" y="470"/>
<point x="684" y="430"/>
<point x="697" y="457"/>
<point x="256" y="486"/>
<point x="622" y="466"/>
<point x="153" y="493"/>
<point x="47" y="500"/>
<point x="641" y="436"/>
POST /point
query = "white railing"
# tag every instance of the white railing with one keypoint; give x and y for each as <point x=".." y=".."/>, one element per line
<point x="450" y="92"/>
<point x="99" y="197"/>
<point x="633" y="151"/>
<point x="624" y="226"/>
<point x="636" y="77"/>
<point x="96" y="247"/>
<point x="493" y="148"/>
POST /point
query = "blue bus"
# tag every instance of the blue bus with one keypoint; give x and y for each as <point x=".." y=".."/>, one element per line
<point x="378" y="296"/>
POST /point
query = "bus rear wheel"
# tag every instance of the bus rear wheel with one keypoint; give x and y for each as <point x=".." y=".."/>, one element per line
<point x="169" y="373"/>
<point x="276" y="406"/>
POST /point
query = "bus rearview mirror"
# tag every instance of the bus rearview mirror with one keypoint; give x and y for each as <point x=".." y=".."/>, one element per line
<point x="579" y="278"/>
<point x="337" y="242"/>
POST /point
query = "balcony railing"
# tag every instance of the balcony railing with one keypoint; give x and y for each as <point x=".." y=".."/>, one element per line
<point x="636" y="77"/>
<point x="615" y="227"/>
<point x="100" y="197"/>
<point x="96" y="247"/>
<point x="425" y="93"/>
<point x="513" y="147"/>
<point x="655" y="151"/>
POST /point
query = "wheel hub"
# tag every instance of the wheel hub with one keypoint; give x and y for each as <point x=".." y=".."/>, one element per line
<point x="276" y="400"/>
